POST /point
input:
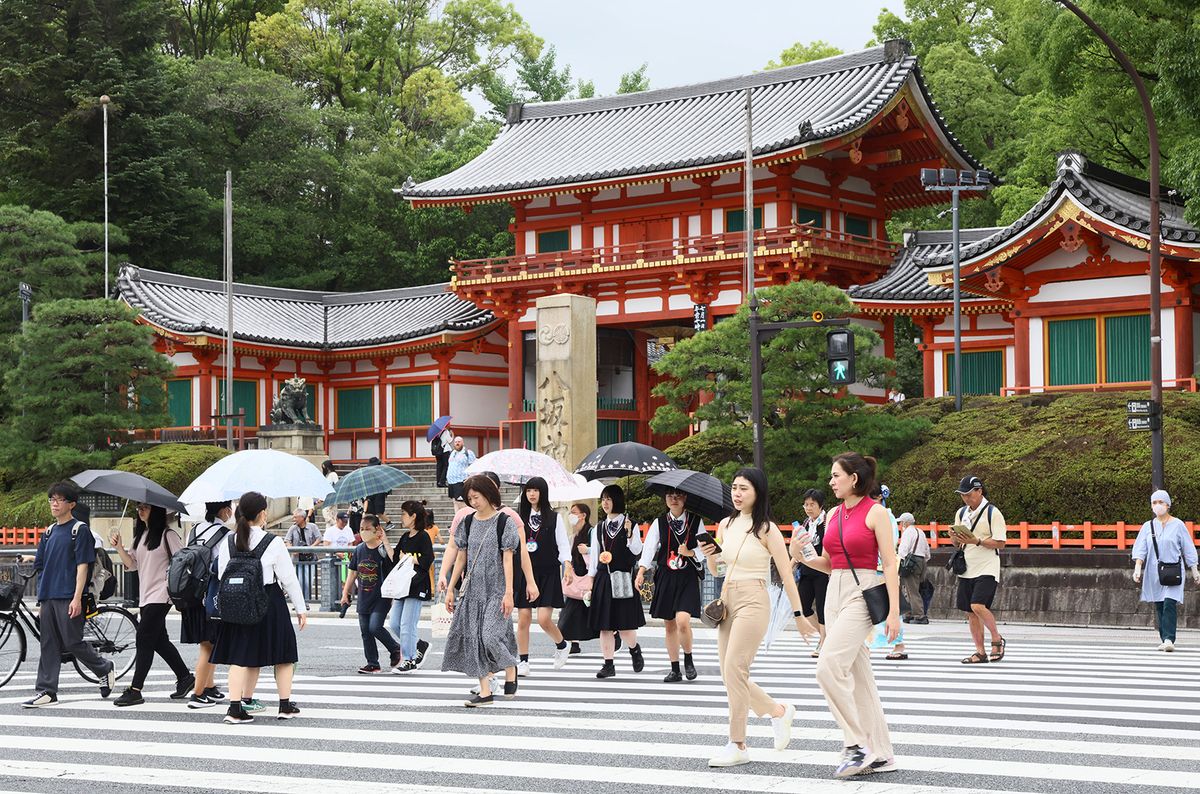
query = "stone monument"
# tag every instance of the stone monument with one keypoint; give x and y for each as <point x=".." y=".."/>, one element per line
<point x="566" y="377"/>
<point x="291" y="428"/>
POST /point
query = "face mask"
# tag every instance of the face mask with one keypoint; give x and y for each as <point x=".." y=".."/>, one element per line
<point x="1159" y="509"/>
<point x="573" y="518"/>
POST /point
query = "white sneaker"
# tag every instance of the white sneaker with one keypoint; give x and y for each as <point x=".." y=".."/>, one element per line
<point x="783" y="727"/>
<point x="1162" y="646"/>
<point x="731" y="755"/>
<point x="1168" y="646"/>
<point x="522" y="669"/>
<point x="560" y="658"/>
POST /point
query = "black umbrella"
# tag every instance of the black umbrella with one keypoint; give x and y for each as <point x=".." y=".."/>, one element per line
<point x="127" y="485"/>
<point x="626" y="459"/>
<point x="706" y="495"/>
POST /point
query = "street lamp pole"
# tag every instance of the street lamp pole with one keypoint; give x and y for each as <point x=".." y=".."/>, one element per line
<point x="756" y="397"/>
<point x="1155" y="242"/>
<point x="104" y="100"/>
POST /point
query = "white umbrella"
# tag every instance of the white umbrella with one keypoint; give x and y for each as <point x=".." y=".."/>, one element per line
<point x="518" y="465"/>
<point x="583" y="490"/>
<point x="781" y="615"/>
<point x="272" y="473"/>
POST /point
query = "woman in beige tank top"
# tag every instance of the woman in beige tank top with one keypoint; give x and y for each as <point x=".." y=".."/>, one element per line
<point x="750" y="542"/>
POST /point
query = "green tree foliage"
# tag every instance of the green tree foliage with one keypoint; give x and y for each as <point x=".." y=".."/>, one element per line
<point x="87" y="375"/>
<point x="200" y="28"/>
<point x="173" y="466"/>
<point x="42" y="250"/>
<point x="632" y="82"/>
<point x="800" y="53"/>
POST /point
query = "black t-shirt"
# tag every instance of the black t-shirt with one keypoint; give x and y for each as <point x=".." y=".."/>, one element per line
<point x="372" y="566"/>
<point x="420" y="546"/>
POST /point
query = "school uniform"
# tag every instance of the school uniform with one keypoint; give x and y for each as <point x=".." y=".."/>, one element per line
<point x="548" y="550"/>
<point x="195" y="625"/>
<point x="573" y="619"/>
<point x="622" y="548"/>
<point x="676" y="578"/>
<point x="273" y="640"/>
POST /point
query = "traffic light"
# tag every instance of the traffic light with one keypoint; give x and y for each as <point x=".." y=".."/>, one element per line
<point x="839" y="350"/>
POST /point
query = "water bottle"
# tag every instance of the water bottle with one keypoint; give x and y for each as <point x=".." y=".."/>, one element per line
<point x="807" y="550"/>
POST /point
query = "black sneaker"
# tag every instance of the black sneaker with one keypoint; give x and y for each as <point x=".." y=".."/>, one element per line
<point x="510" y="689"/>
<point x="921" y="621"/>
<point x="200" y="702"/>
<point x="237" y="715"/>
<point x="673" y="677"/>
<point x="108" y="681"/>
<point x="617" y="636"/>
<point x="130" y="697"/>
<point x="368" y="669"/>
<point x="608" y="670"/>
<point x="395" y="658"/>
<point x="575" y="649"/>
<point x="639" y="662"/>
<point x="422" y="647"/>
<point x="41" y="699"/>
<point x="478" y="701"/>
<point x="689" y="669"/>
<point x="184" y="687"/>
<point x="288" y="710"/>
<point x="214" y="694"/>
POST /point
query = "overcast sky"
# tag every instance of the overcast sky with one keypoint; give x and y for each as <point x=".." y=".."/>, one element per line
<point x="688" y="41"/>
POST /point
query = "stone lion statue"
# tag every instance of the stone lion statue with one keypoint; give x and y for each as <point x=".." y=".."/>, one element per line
<point x="291" y="404"/>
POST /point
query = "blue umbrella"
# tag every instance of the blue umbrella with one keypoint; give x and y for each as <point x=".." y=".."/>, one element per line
<point x="368" y="481"/>
<point x="437" y="427"/>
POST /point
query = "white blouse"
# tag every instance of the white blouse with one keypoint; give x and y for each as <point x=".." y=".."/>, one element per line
<point x="635" y="542"/>
<point x="276" y="564"/>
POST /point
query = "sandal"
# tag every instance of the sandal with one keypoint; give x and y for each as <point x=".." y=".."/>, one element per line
<point x="976" y="658"/>
<point x="893" y="657"/>
<point x="998" y="655"/>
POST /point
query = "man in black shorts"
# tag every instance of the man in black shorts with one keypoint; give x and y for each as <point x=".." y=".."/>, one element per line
<point x="980" y="532"/>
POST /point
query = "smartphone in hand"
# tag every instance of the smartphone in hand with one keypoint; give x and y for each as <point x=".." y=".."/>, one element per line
<point x="705" y="537"/>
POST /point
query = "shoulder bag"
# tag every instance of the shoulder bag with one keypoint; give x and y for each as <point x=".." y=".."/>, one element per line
<point x="876" y="596"/>
<point x="714" y="612"/>
<point x="621" y="581"/>
<point x="1170" y="574"/>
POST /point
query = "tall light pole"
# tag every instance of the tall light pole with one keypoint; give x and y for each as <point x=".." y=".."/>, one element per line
<point x="955" y="182"/>
<point x="104" y="100"/>
<point x="227" y="408"/>
<point x="751" y="292"/>
<point x="1155" y="242"/>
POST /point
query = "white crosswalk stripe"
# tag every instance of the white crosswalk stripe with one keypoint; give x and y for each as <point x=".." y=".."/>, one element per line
<point x="1052" y="717"/>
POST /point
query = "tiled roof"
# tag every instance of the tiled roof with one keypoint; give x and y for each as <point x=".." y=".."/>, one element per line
<point x="1111" y="195"/>
<point x="298" y="318"/>
<point x="905" y="280"/>
<point x="561" y="143"/>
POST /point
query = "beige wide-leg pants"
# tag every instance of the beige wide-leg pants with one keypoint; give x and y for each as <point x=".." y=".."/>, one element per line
<point x="844" y="669"/>
<point x="747" y="612"/>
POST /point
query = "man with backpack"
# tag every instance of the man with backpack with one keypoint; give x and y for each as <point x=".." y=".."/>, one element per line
<point x="979" y="532"/>
<point x="64" y="561"/>
<point x="192" y="585"/>
<point x="440" y="449"/>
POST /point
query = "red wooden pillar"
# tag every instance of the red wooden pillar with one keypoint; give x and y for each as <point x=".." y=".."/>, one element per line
<point x="381" y="365"/>
<point x="205" y="359"/>
<point x="641" y="386"/>
<point x="1184" y="342"/>
<point x="516" y="375"/>
<point x="443" y="358"/>
<point x="1021" y="348"/>
<point x="926" y="325"/>
<point x="889" y="336"/>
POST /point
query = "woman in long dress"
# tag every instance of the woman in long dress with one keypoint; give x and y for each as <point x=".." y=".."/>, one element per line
<point x="481" y="639"/>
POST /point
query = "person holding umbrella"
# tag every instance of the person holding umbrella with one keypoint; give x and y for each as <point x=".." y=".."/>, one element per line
<point x="616" y="604"/>
<point x="672" y="552"/>
<point x="549" y="550"/>
<point x="440" y="440"/>
<point x="154" y="543"/>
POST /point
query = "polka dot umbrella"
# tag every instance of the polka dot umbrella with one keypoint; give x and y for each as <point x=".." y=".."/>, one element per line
<point x="626" y="459"/>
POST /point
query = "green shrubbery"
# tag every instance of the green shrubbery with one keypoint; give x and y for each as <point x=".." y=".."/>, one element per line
<point x="173" y="466"/>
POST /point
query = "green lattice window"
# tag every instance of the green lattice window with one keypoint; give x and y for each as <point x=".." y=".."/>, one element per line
<point x="557" y="240"/>
<point x="810" y="217"/>
<point x="982" y="372"/>
<point x="413" y="405"/>
<point x="245" y="396"/>
<point x="354" y="408"/>
<point x="1127" y="348"/>
<point x="735" y="220"/>
<point x="1071" y="349"/>
<point x="179" y="402"/>
<point x="858" y="226"/>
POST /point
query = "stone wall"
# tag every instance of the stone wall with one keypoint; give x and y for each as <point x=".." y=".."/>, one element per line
<point x="1073" y="588"/>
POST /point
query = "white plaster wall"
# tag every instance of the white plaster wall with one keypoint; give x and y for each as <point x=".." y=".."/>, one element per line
<point x="651" y="189"/>
<point x="718" y="221"/>
<point x="576" y="236"/>
<point x="399" y="448"/>
<point x="807" y="173"/>
<point x="1168" y="343"/>
<point x="604" y="308"/>
<point x="479" y="406"/>
<point x="1195" y="343"/>
<point x="196" y="420"/>
<point x="539" y="202"/>
<point x="530" y="315"/>
<point x="389" y="408"/>
<point x="266" y="396"/>
<point x="1010" y="365"/>
<point x="362" y="365"/>
<point x="616" y="233"/>
<point x="310" y="367"/>
<point x="530" y="242"/>
<point x="341" y="368"/>
<point x="368" y="447"/>
<point x="424" y="360"/>
<point x="693" y="226"/>
<point x="1095" y="289"/>
<point x="182" y="359"/>
<point x="340" y="450"/>
<point x="858" y="185"/>
<point x="478" y="359"/>
<point x="1037" y="367"/>
<point x="635" y="305"/>
<point x="939" y="374"/>
<point x="987" y="322"/>
<point x="769" y="215"/>
<point x="1060" y="258"/>
<point x="598" y="237"/>
<point x="682" y="301"/>
<point x="728" y="297"/>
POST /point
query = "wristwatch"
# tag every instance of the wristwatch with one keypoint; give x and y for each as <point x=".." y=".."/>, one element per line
<point x="797" y="613"/>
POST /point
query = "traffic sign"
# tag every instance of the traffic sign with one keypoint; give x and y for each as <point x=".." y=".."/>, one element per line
<point x="1142" y="423"/>
<point x="1141" y="408"/>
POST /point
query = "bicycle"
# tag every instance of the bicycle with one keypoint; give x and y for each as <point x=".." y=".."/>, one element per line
<point x="110" y="629"/>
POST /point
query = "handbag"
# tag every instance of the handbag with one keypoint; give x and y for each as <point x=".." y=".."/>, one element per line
<point x="398" y="583"/>
<point x="876" y="596"/>
<point x="715" y="611"/>
<point x="622" y="584"/>
<point x="577" y="587"/>
<point x="441" y="619"/>
<point x="1169" y="573"/>
<point x="957" y="564"/>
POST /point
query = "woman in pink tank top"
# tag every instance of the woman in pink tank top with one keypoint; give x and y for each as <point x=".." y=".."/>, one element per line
<point x="857" y="532"/>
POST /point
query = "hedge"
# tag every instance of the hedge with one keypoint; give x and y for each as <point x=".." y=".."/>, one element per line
<point x="173" y="466"/>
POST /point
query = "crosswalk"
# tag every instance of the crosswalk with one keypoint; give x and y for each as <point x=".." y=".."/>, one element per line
<point x="1055" y="716"/>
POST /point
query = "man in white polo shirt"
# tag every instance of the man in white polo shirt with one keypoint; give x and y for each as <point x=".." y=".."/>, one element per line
<point x="984" y="534"/>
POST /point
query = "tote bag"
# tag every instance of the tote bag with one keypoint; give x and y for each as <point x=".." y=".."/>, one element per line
<point x="398" y="583"/>
<point x="441" y="619"/>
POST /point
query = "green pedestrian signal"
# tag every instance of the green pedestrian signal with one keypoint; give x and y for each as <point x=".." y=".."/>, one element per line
<point x="839" y="350"/>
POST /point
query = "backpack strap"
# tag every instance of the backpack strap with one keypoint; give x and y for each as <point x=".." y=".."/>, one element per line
<point x="501" y="522"/>
<point x="261" y="548"/>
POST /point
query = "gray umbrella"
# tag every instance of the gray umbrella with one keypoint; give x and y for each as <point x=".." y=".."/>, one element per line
<point x="127" y="485"/>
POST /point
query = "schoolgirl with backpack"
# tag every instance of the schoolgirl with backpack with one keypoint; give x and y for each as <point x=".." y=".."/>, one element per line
<point x="255" y="630"/>
<point x="192" y="584"/>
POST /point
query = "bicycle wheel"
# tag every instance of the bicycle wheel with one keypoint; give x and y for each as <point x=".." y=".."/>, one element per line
<point x="12" y="647"/>
<point x="113" y="633"/>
